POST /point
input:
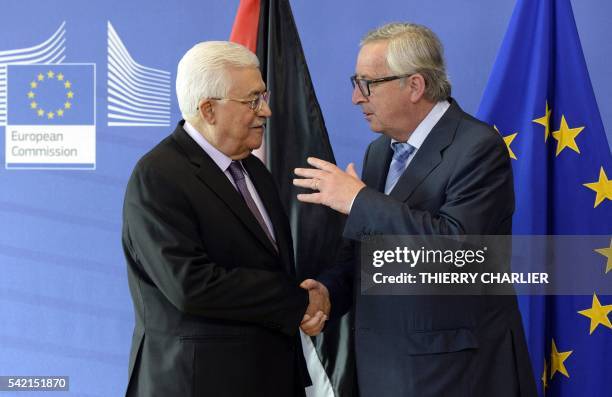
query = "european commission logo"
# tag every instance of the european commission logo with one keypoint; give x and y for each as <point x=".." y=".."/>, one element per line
<point x="48" y="106"/>
<point x="51" y="116"/>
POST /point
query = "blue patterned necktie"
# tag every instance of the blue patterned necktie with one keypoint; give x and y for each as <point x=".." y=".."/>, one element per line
<point x="237" y="173"/>
<point x="401" y="153"/>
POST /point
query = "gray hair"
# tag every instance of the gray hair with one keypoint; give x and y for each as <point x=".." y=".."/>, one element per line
<point x="201" y="73"/>
<point x="415" y="49"/>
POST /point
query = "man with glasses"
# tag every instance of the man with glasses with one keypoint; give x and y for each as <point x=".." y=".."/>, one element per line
<point x="435" y="170"/>
<point x="208" y="247"/>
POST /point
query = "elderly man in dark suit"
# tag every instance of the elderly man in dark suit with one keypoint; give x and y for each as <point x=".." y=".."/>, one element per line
<point x="208" y="247"/>
<point x="435" y="171"/>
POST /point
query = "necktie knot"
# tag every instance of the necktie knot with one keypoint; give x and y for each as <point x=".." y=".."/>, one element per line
<point x="401" y="151"/>
<point x="236" y="170"/>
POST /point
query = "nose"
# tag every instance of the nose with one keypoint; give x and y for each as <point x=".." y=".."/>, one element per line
<point x="357" y="97"/>
<point x="265" y="110"/>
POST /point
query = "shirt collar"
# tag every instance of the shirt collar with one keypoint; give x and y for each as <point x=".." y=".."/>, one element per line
<point x="215" y="154"/>
<point x="424" y="128"/>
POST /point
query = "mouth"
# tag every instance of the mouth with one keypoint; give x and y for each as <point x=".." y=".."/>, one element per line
<point x="260" y="127"/>
<point x="367" y="115"/>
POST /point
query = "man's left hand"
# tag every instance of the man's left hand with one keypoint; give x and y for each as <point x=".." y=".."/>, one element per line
<point x="336" y="188"/>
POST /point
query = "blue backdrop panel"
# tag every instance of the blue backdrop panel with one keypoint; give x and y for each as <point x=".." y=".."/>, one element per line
<point x="64" y="301"/>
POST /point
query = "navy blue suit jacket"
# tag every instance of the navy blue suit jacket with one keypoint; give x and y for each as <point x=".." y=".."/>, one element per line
<point x="459" y="183"/>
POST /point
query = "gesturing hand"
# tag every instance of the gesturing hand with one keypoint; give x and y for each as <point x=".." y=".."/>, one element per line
<point x="318" y="308"/>
<point x="336" y="188"/>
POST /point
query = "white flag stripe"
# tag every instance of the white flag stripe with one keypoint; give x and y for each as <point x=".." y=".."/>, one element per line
<point x="137" y="95"/>
<point x="321" y="385"/>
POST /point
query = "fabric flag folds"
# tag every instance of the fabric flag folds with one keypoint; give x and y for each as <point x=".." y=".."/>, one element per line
<point x="295" y="131"/>
<point x="539" y="97"/>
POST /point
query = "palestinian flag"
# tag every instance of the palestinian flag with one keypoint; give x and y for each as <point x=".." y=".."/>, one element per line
<point x="295" y="131"/>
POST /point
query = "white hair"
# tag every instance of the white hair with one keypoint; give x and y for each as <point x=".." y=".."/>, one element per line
<point x="201" y="73"/>
<point x="415" y="49"/>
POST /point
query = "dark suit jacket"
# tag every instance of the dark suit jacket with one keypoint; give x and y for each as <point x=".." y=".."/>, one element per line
<point x="217" y="308"/>
<point x="459" y="183"/>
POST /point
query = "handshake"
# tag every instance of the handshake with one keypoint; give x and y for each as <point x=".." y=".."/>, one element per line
<point x="318" y="308"/>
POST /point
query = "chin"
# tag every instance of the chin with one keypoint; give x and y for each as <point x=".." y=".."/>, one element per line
<point x="376" y="128"/>
<point x="256" y="144"/>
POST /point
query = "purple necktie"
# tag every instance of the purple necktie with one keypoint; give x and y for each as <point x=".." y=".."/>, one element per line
<point x="235" y="170"/>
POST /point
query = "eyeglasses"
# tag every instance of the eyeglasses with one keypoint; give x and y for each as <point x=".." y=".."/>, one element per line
<point x="254" y="104"/>
<point x="364" y="84"/>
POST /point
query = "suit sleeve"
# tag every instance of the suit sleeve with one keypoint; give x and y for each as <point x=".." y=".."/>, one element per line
<point x="161" y="236"/>
<point x="339" y="278"/>
<point x="478" y="200"/>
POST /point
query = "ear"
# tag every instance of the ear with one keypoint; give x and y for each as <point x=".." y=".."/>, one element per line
<point x="207" y="111"/>
<point x="416" y="85"/>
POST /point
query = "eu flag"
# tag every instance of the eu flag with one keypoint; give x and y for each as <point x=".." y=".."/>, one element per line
<point x="539" y="97"/>
<point x="55" y="94"/>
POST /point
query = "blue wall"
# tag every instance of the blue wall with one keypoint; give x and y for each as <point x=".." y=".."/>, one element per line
<point x="64" y="299"/>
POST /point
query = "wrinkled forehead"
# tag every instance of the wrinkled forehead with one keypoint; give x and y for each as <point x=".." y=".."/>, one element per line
<point x="371" y="61"/>
<point x="244" y="82"/>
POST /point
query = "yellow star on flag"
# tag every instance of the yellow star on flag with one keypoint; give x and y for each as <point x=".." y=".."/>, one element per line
<point x="607" y="252"/>
<point x="566" y="137"/>
<point x="60" y="112"/>
<point x="33" y="105"/>
<point x="544" y="377"/>
<point x="508" y="140"/>
<point x="557" y="360"/>
<point x="67" y="84"/>
<point x="598" y="314"/>
<point x="31" y="95"/>
<point x="545" y="121"/>
<point x="603" y="188"/>
<point x="70" y="94"/>
<point x="33" y="84"/>
<point x="40" y="112"/>
<point x="60" y="76"/>
<point x="50" y="74"/>
<point x="50" y="115"/>
<point x="41" y="77"/>
<point x="67" y="105"/>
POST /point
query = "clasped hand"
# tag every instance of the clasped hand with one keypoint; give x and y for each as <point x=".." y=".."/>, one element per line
<point x="318" y="308"/>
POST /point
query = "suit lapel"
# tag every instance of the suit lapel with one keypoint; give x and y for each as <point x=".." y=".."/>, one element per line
<point x="266" y="189"/>
<point x="210" y="174"/>
<point x="375" y="171"/>
<point x="429" y="154"/>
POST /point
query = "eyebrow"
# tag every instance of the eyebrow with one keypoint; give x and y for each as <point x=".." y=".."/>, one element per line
<point x="257" y="91"/>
